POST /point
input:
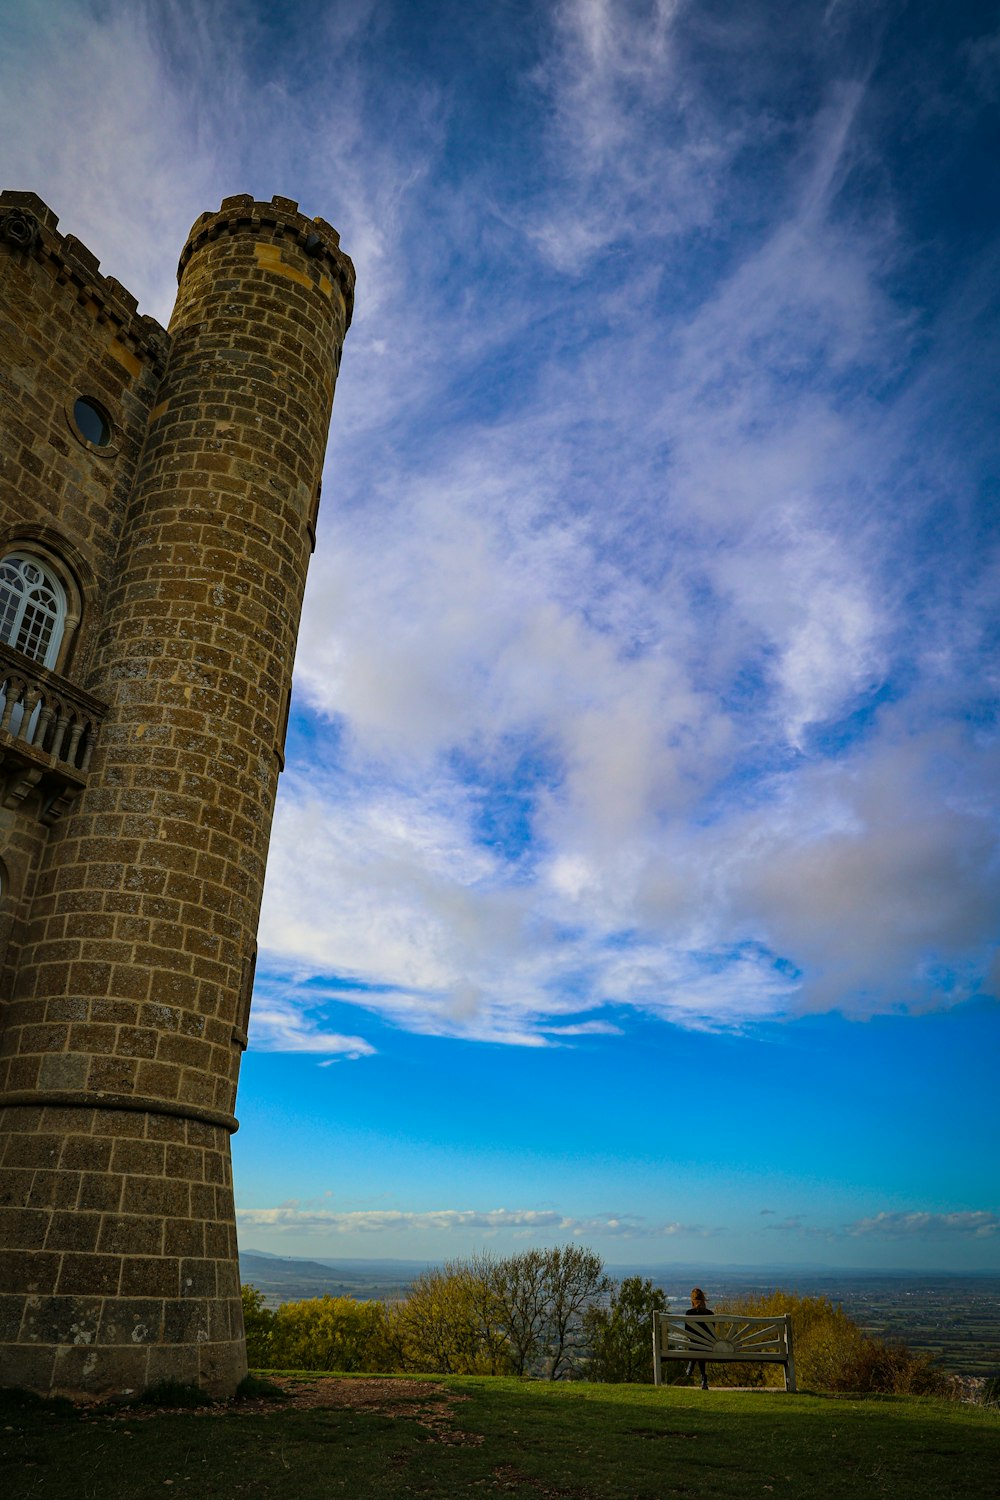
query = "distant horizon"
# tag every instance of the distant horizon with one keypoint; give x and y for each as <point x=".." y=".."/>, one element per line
<point x="637" y="1267"/>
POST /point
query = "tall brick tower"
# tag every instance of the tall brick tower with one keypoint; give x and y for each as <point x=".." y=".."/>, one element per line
<point x="158" y="496"/>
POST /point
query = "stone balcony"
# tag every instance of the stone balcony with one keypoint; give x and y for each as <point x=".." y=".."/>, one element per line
<point x="48" y="730"/>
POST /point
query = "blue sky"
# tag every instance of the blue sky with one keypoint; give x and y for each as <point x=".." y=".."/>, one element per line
<point x="635" y="872"/>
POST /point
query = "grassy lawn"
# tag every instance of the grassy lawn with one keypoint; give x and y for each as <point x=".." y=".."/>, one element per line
<point x="480" y="1437"/>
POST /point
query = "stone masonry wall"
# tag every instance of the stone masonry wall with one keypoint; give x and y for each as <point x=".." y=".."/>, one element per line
<point x="130" y="1001"/>
<point x="65" y="331"/>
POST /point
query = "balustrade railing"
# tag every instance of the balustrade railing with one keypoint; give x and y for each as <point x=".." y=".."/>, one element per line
<point x="48" y="730"/>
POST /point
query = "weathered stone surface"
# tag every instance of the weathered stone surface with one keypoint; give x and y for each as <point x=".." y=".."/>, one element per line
<point x="130" y="907"/>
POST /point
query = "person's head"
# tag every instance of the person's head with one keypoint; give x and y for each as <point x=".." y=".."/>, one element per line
<point x="697" y="1297"/>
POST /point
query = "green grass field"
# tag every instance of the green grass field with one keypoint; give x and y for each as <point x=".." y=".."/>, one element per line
<point x="480" y="1437"/>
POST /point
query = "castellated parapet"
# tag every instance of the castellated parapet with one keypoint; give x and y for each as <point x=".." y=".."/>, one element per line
<point x="158" y="499"/>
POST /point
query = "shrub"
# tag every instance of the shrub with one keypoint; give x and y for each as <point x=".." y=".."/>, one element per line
<point x="832" y="1353"/>
<point x="328" y="1333"/>
<point x="258" y="1324"/>
<point x="448" y="1325"/>
<point x="253" y="1387"/>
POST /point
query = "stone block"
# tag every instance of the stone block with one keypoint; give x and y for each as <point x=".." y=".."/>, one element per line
<point x="166" y="1128"/>
<point x="11" y="1308"/>
<point x="23" y="1228"/>
<point x="141" y="1158"/>
<point x="64" y="1070"/>
<point x="111" y="1075"/>
<point x="218" y="1241"/>
<point x="137" y="1041"/>
<point x="229" y="1278"/>
<point x="184" y="1237"/>
<point x="94" y="1275"/>
<point x="101" y="1191"/>
<point x="198" y="1278"/>
<point x="185" y="1161"/>
<point x="185" y="1322"/>
<point x="15" y="1188"/>
<point x="28" y="1271"/>
<point x="149" y="1276"/>
<point x="28" y="1366"/>
<point x="65" y="1119"/>
<point x="32" y="1150"/>
<point x="55" y="1189"/>
<point x="222" y="1366"/>
<point x="156" y="1195"/>
<point x="173" y="1362"/>
<point x="70" y="1230"/>
<point x="123" y="1124"/>
<point x="86" y="1153"/>
<point x="133" y="1320"/>
<point x="61" y="1320"/>
<point x="123" y="1234"/>
<point x="203" y="1202"/>
<point x="90" y="1369"/>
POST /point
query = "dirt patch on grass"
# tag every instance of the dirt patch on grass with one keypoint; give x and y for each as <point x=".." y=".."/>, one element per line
<point x="425" y="1402"/>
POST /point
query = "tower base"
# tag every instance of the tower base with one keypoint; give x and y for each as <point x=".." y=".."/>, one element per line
<point x="137" y="1279"/>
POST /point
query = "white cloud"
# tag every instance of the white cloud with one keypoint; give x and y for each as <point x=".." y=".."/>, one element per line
<point x="141" y="137"/>
<point x="634" y="465"/>
<point x="546" y="1222"/>
<point x="279" y="1022"/>
<point x="977" y="1223"/>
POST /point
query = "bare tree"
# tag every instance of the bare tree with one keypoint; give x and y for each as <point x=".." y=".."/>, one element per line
<point x="574" y="1279"/>
<point x="520" y="1293"/>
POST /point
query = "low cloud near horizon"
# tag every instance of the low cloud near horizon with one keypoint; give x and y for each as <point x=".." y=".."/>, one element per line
<point x="488" y="1222"/>
<point x="301" y="1221"/>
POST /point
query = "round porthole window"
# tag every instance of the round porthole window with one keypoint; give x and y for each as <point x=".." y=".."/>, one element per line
<point x="92" y="423"/>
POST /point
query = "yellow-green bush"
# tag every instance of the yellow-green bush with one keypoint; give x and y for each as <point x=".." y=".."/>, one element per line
<point x="448" y="1324"/>
<point x="319" y="1333"/>
<point x="831" y="1352"/>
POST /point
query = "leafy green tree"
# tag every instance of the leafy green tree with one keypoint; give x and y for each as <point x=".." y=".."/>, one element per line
<point x="536" y="1304"/>
<point x="446" y="1324"/>
<point x="258" y="1324"/>
<point x="329" y="1333"/>
<point x="619" y="1333"/>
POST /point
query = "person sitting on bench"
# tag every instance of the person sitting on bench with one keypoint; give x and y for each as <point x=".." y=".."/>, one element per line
<point x="698" y="1305"/>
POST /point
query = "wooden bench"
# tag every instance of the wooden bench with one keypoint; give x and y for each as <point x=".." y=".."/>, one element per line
<point x="721" y="1338"/>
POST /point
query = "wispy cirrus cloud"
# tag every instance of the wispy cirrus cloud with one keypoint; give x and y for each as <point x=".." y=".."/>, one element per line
<point x="975" y="1223"/>
<point x="647" y="656"/>
<point x="279" y="1022"/>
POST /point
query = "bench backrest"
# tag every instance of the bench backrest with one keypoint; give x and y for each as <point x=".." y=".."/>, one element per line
<point x="723" y="1336"/>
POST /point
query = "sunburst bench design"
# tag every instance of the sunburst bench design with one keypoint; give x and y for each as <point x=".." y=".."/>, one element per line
<point x="721" y="1339"/>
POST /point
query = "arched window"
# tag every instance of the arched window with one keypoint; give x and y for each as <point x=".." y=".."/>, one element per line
<point x="32" y="607"/>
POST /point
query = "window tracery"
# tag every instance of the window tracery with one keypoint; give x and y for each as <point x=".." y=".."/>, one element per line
<point x="32" y="608"/>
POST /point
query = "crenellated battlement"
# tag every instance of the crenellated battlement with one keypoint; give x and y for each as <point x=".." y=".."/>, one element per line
<point x="279" y="219"/>
<point x="29" y="227"/>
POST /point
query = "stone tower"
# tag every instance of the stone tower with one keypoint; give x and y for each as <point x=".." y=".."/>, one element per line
<point x="158" y="498"/>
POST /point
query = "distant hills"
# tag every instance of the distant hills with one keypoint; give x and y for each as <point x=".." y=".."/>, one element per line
<point x="287" y="1279"/>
